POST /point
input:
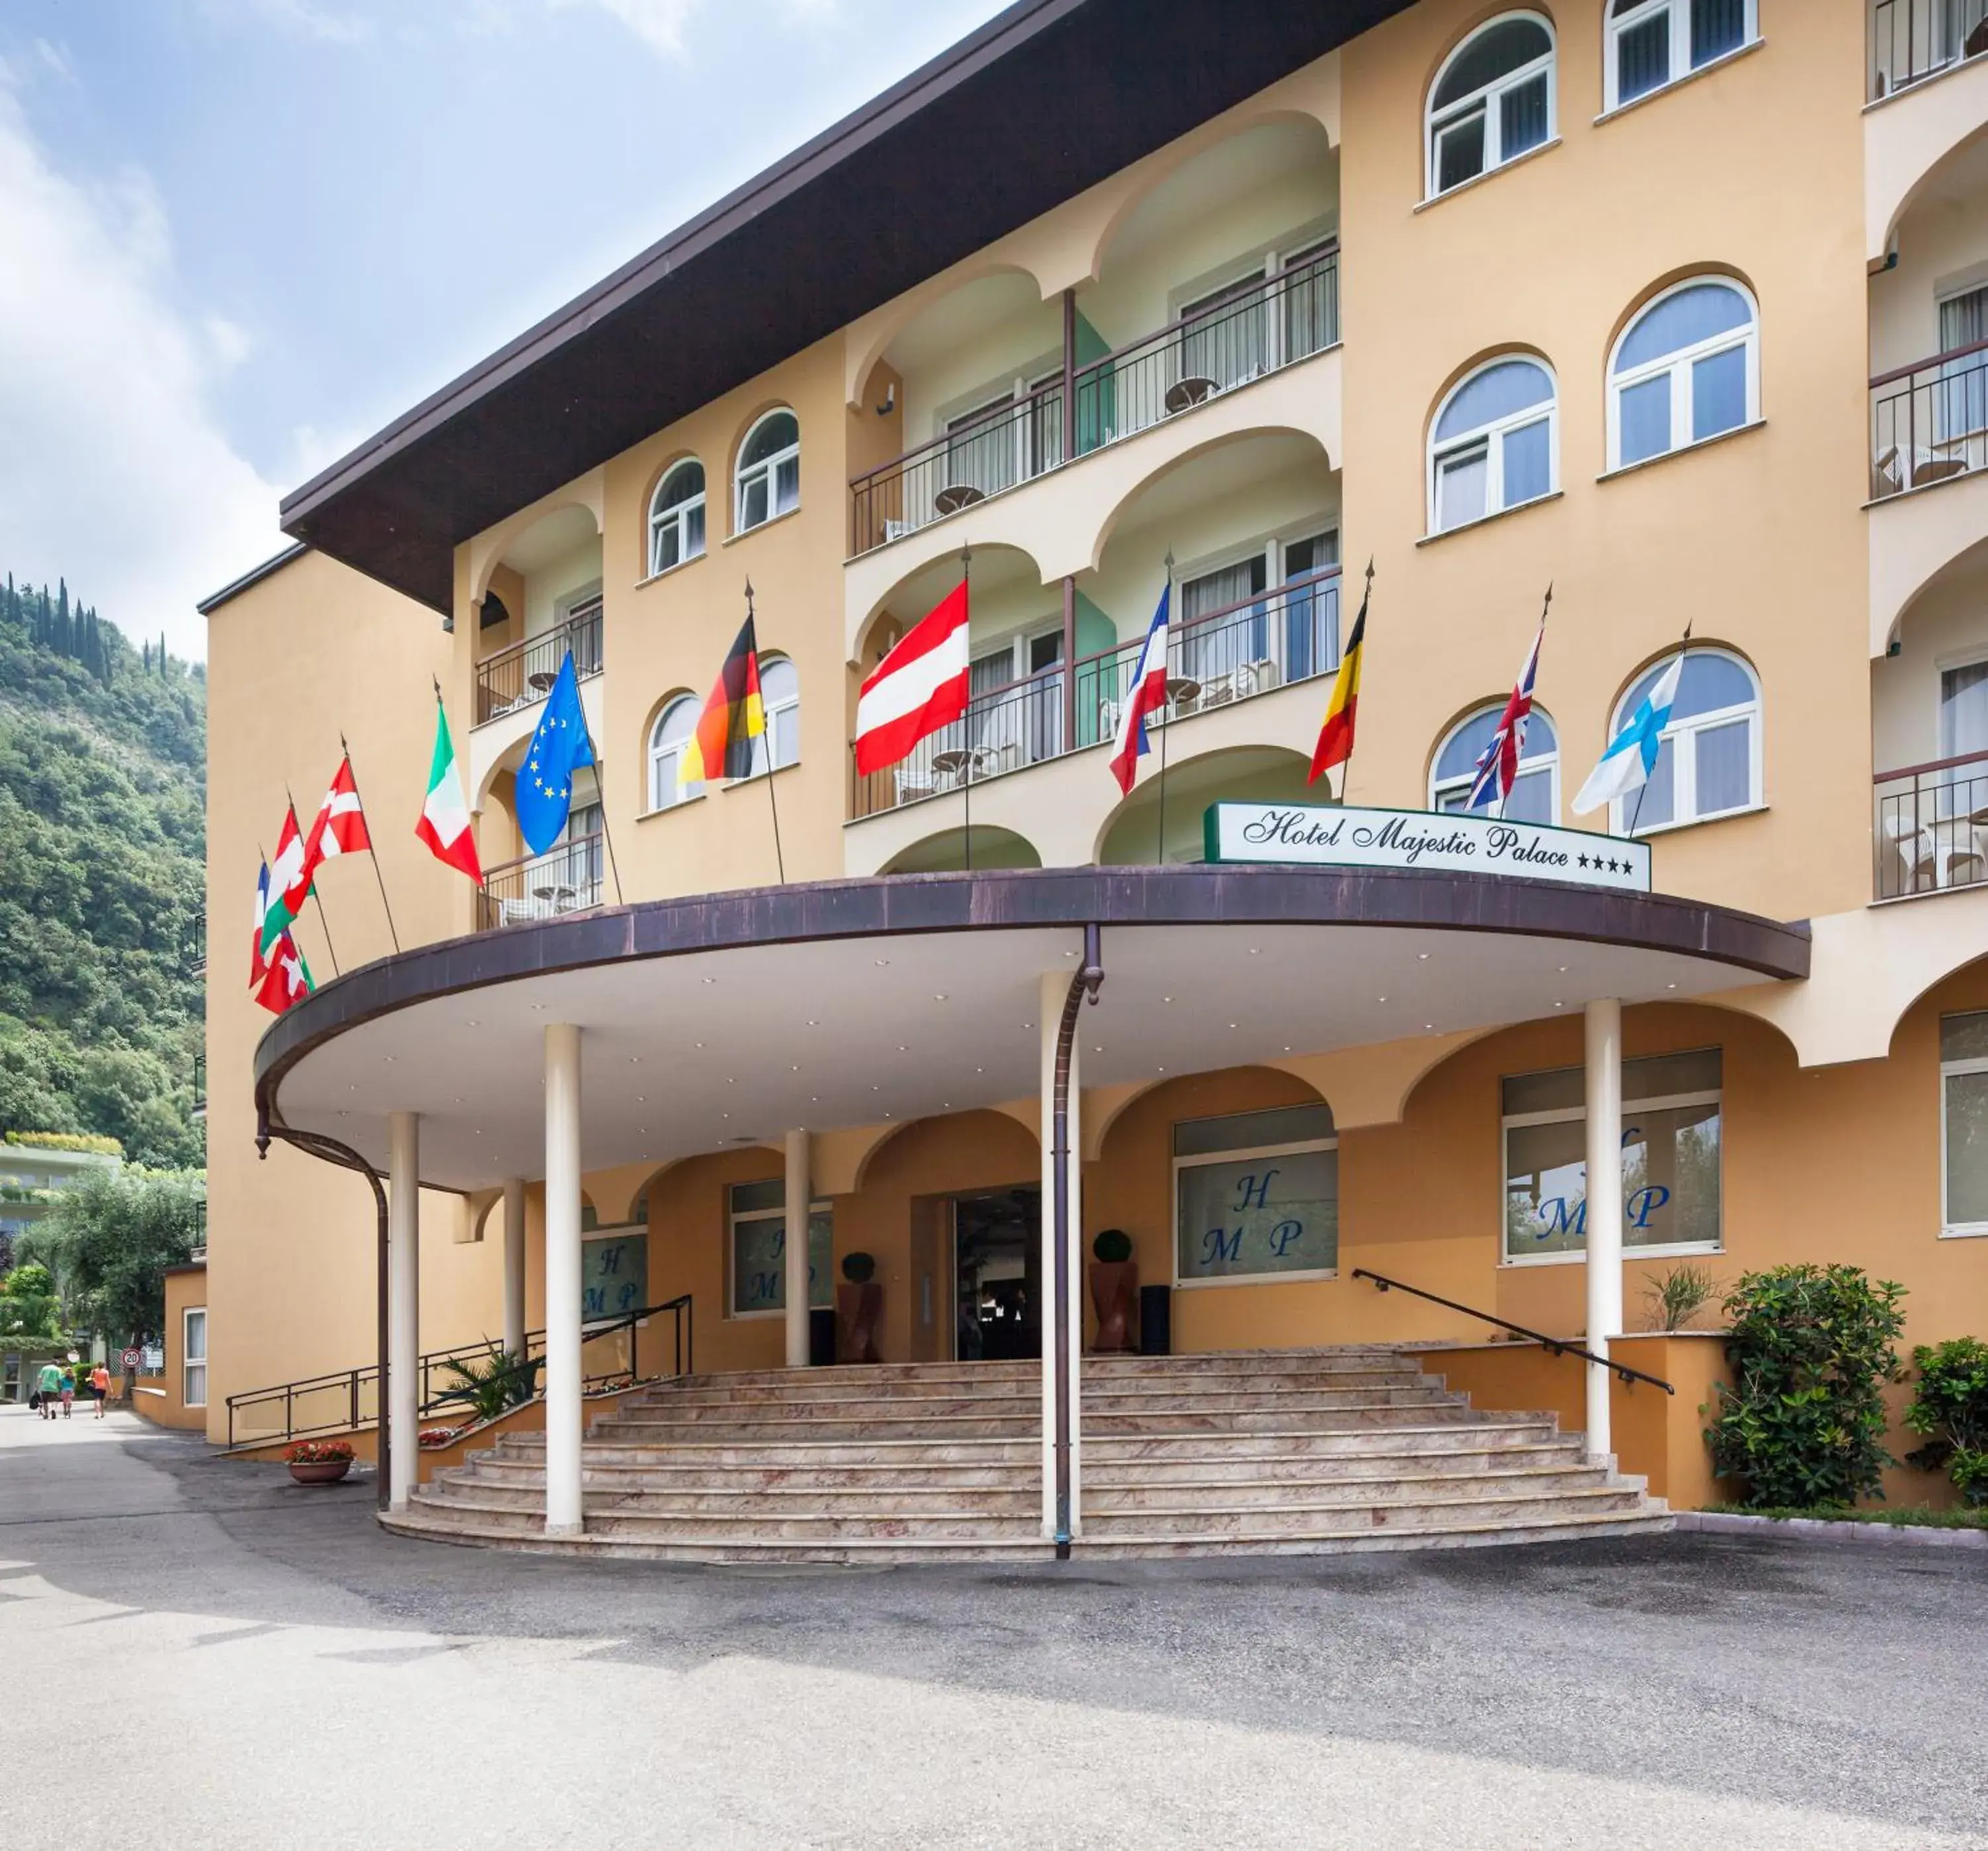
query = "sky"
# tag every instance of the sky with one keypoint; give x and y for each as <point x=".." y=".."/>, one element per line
<point x="237" y="237"/>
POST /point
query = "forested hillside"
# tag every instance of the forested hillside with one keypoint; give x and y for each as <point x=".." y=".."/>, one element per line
<point x="102" y="769"/>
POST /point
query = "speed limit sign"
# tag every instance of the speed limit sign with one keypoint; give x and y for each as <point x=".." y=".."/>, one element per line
<point x="131" y="1361"/>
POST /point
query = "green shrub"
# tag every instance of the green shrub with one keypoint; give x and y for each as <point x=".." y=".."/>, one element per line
<point x="490" y="1383"/>
<point x="1810" y="1348"/>
<point x="1113" y="1247"/>
<point x="1951" y="1410"/>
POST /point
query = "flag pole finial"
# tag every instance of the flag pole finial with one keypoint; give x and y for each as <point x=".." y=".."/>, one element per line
<point x="1369" y="568"/>
<point x="437" y="680"/>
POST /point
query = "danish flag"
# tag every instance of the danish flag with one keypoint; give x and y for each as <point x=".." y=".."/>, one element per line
<point x="1147" y="694"/>
<point x="1498" y="767"/>
<point x="920" y="687"/>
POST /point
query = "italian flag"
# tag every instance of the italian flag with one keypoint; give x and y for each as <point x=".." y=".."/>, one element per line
<point x="444" y="823"/>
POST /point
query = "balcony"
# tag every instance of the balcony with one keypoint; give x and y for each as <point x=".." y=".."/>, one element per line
<point x="523" y="674"/>
<point x="1911" y="40"/>
<point x="567" y="879"/>
<point x="1930" y="421"/>
<point x="1214" y="659"/>
<point x="200" y="1085"/>
<point x="1250" y="333"/>
<point x="193" y="953"/>
<point x="1932" y="827"/>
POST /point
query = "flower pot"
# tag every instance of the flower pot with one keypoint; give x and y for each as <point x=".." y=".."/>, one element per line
<point x="1114" y="1296"/>
<point x="319" y="1471"/>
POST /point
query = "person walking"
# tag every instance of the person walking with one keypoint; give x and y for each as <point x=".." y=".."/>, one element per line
<point x="99" y="1386"/>
<point x="51" y="1387"/>
<point x="68" y="1390"/>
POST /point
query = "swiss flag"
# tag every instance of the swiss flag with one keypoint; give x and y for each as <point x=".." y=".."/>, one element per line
<point x="340" y="827"/>
<point x="920" y="687"/>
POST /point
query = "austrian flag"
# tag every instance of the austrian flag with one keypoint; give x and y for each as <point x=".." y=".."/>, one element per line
<point x="919" y="687"/>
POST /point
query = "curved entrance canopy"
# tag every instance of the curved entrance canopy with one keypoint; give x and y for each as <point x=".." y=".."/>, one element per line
<point x="726" y="1018"/>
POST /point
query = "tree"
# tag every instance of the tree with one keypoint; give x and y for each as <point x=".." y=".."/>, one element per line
<point x="28" y="1307"/>
<point x="108" y="1239"/>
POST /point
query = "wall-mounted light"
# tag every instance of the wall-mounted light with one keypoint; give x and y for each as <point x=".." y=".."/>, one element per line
<point x="890" y="404"/>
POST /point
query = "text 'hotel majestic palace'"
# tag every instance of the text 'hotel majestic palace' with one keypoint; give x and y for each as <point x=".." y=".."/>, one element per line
<point x="770" y="1117"/>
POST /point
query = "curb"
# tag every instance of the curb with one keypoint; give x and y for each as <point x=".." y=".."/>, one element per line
<point x="1816" y="1529"/>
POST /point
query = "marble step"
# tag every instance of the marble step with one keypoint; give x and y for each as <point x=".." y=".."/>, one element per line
<point x="892" y="1375"/>
<point x="803" y="1387"/>
<point x="1416" y="1392"/>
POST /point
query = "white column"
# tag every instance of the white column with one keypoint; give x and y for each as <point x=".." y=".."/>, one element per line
<point x="563" y="1413"/>
<point x="403" y="1313"/>
<point x="514" y="1266"/>
<point x="800" y="1193"/>
<point x="1054" y="992"/>
<point x="1604" y="1069"/>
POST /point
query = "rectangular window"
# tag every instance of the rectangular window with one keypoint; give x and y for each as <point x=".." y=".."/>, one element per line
<point x="1528" y="463"/>
<point x="1462" y="483"/>
<point x="1522" y="117"/>
<point x="757" y="1249"/>
<point x="1964" y="1122"/>
<point x="1645" y="413"/>
<point x="193" y="1360"/>
<point x="1643" y="58"/>
<point x="1718" y="394"/>
<point x="613" y="1274"/>
<point x="1717" y="27"/>
<point x="1460" y="151"/>
<point x="1672" y="1158"/>
<point x="1257" y="1197"/>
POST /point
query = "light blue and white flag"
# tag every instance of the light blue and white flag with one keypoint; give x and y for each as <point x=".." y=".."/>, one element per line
<point x="1631" y="756"/>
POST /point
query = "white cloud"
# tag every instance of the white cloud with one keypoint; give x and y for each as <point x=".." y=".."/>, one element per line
<point x="310" y="18"/>
<point x="115" y="472"/>
<point x="659" y="24"/>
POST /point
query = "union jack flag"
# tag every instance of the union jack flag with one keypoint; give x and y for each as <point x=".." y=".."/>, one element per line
<point x="1498" y="767"/>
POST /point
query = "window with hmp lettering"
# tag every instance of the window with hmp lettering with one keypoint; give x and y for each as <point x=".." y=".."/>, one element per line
<point x="1257" y="1196"/>
<point x="1671" y="1158"/>
<point x="615" y="1274"/>
<point x="759" y="1250"/>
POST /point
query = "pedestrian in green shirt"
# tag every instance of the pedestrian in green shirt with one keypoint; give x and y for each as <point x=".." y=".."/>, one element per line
<point x="50" y="1387"/>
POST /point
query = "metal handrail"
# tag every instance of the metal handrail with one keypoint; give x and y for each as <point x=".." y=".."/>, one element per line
<point x="1932" y="359"/>
<point x="1931" y="766"/>
<point x="1555" y="1346"/>
<point x="530" y="1366"/>
<point x="1911" y="40"/>
<point x="502" y="677"/>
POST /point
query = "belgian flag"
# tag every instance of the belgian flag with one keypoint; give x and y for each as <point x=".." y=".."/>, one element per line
<point x="1335" y="737"/>
<point x="732" y="718"/>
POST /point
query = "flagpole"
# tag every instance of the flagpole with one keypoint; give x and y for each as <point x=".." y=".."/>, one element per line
<point x="324" y="922"/>
<point x="601" y="782"/>
<point x="1642" y="789"/>
<point x="1166" y="672"/>
<point x="773" y="803"/>
<point x="966" y="729"/>
<point x="369" y="848"/>
<point x="1505" y="790"/>
<point x="1346" y="770"/>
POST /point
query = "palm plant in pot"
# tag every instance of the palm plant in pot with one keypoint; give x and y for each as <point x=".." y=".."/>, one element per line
<point x="1114" y="1291"/>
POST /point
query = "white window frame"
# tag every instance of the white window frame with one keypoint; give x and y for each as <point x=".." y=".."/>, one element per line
<point x="1529" y="763"/>
<point x="1490" y="439"/>
<point x="1680" y="12"/>
<point x="659" y="798"/>
<point x="187" y="1364"/>
<point x="745" y="475"/>
<point x="1487" y="100"/>
<point x="733" y="1218"/>
<point x="764" y="744"/>
<point x="1678" y="366"/>
<point x="1667" y="1102"/>
<point x="1684" y="764"/>
<point x="662" y="518"/>
<point x="1203" y="1161"/>
<point x="1950" y="1229"/>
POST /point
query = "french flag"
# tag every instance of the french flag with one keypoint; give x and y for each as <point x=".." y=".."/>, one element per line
<point x="1498" y="767"/>
<point x="920" y="687"/>
<point x="1147" y="694"/>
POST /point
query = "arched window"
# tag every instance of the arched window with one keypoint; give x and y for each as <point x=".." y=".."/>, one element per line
<point x="1686" y="369"/>
<point x="780" y="695"/>
<point x="668" y="738"/>
<point x="769" y="471"/>
<point x="1493" y="100"/>
<point x="1709" y="759"/>
<point x="676" y="517"/>
<point x="1535" y="795"/>
<point x="1494" y="444"/>
<point x="1654" y="42"/>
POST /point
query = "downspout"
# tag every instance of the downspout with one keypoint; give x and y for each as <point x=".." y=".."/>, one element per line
<point x="315" y="1144"/>
<point x="1086" y="982"/>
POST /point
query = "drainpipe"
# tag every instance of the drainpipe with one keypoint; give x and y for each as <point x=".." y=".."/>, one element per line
<point x="1085" y="983"/>
<point x="331" y="1151"/>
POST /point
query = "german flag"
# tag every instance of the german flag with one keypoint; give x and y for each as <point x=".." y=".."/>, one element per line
<point x="1335" y="737"/>
<point x="732" y="718"/>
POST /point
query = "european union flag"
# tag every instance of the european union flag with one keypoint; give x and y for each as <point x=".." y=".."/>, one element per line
<point x="544" y="780"/>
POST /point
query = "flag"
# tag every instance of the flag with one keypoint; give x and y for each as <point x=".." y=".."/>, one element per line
<point x="920" y="687"/>
<point x="1631" y="756"/>
<point x="560" y="744"/>
<point x="258" y="965"/>
<point x="1335" y="737"/>
<point x="732" y="718"/>
<point x="286" y="980"/>
<point x="289" y="886"/>
<point x="340" y="826"/>
<point x="1498" y="765"/>
<point x="1147" y="694"/>
<point x="444" y="823"/>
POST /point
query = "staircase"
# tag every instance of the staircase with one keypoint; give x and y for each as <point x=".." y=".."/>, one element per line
<point x="1266" y="1452"/>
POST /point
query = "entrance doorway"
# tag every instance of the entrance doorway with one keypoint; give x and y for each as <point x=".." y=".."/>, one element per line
<point x="997" y="1276"/>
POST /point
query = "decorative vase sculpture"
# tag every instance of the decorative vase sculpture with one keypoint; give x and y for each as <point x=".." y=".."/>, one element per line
<point x="1114" y="1292"/>
<point x="858" y="1310"/>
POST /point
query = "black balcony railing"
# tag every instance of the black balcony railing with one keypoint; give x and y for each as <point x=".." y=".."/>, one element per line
<point x="1932" y="826"/>
<point x="200" y="1085"/>
<point x="524" y="673"/>
<point x="1213" y="660"/>
<point x="196" y="952"/>
<point x="566" y="879"/>
<point x="1239" y="336"/>
<point x="1930" y="421"/>
<point x="1911" y="40"/>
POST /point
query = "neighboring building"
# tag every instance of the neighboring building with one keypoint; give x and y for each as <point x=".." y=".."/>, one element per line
<point x="1493" y="299"/>
<point x="33" y="1168"/>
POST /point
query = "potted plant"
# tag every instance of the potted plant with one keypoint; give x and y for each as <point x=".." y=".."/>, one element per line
<point x="1114" y="1292"/>
<point x="858" y="1310"/>
<point x="319" y="1462"/>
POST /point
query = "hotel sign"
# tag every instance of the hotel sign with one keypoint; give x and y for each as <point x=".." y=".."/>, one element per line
<point x="1328" y="836"/>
